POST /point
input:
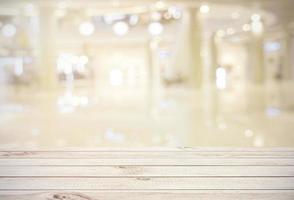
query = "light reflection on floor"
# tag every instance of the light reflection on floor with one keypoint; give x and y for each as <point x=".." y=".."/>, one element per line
<point x="240" y="116"/>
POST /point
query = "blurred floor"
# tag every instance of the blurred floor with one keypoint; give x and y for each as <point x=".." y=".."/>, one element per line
<point x="241" y="116"/>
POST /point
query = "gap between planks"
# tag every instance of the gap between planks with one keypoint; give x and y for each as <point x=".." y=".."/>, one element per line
<point x="139" y="154"/>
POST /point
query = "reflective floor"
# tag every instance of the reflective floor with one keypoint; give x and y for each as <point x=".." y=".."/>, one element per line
<point x="240" y="116"/>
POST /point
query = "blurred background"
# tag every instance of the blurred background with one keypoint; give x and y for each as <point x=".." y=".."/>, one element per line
<point x="96" y="73"/>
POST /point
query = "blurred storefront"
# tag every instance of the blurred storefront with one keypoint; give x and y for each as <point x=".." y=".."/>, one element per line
<point x="203" y="61"/>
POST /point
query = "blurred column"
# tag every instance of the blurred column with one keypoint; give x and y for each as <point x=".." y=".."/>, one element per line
<point x="188" y="50"/>
<point x="257" y="52"/>
<point x="155" y="86"/>
<point x="213" y="58"/>
<point x="209" y="83"/>
<point x="257" y="66"/>
<point x="287" y="68"/>
<point x="47" y="47"/>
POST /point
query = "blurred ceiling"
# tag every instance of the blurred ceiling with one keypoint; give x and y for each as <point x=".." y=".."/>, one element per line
<point x="281" y="9"/>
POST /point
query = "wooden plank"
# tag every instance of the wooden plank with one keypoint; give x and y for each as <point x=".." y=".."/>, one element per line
<point x="171" y="195"/>
<point x="150" y="162"/>
<point x="142" y="174"/>
<point x="137" y="171"/>
<point x="134" y="155"/>
<point x="155" y="183"/>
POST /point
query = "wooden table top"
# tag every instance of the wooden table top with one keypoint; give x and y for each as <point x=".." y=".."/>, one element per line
<point x="155" y="173"/>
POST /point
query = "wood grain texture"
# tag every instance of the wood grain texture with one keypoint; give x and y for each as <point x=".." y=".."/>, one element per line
<point x="140" y="183"/>
<point x="148" y="195"/>
<point x="146" y="171"/>
<point x="180" y="173"/>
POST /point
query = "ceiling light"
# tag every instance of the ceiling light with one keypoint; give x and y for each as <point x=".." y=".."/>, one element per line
<point x="87" y="28"/>
<point x="255" y="17"/>
<point x="204" y="9"/>
<point x="120" y="28"/>
<point x="160" y="5"/>
<point x="246" y="27"/>
<point x="175" y="12"/>
<point x="230" y="31"/>
<point x="155" y="28"/>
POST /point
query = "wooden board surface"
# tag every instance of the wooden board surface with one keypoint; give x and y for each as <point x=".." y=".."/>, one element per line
<point x="180" y="173"/>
